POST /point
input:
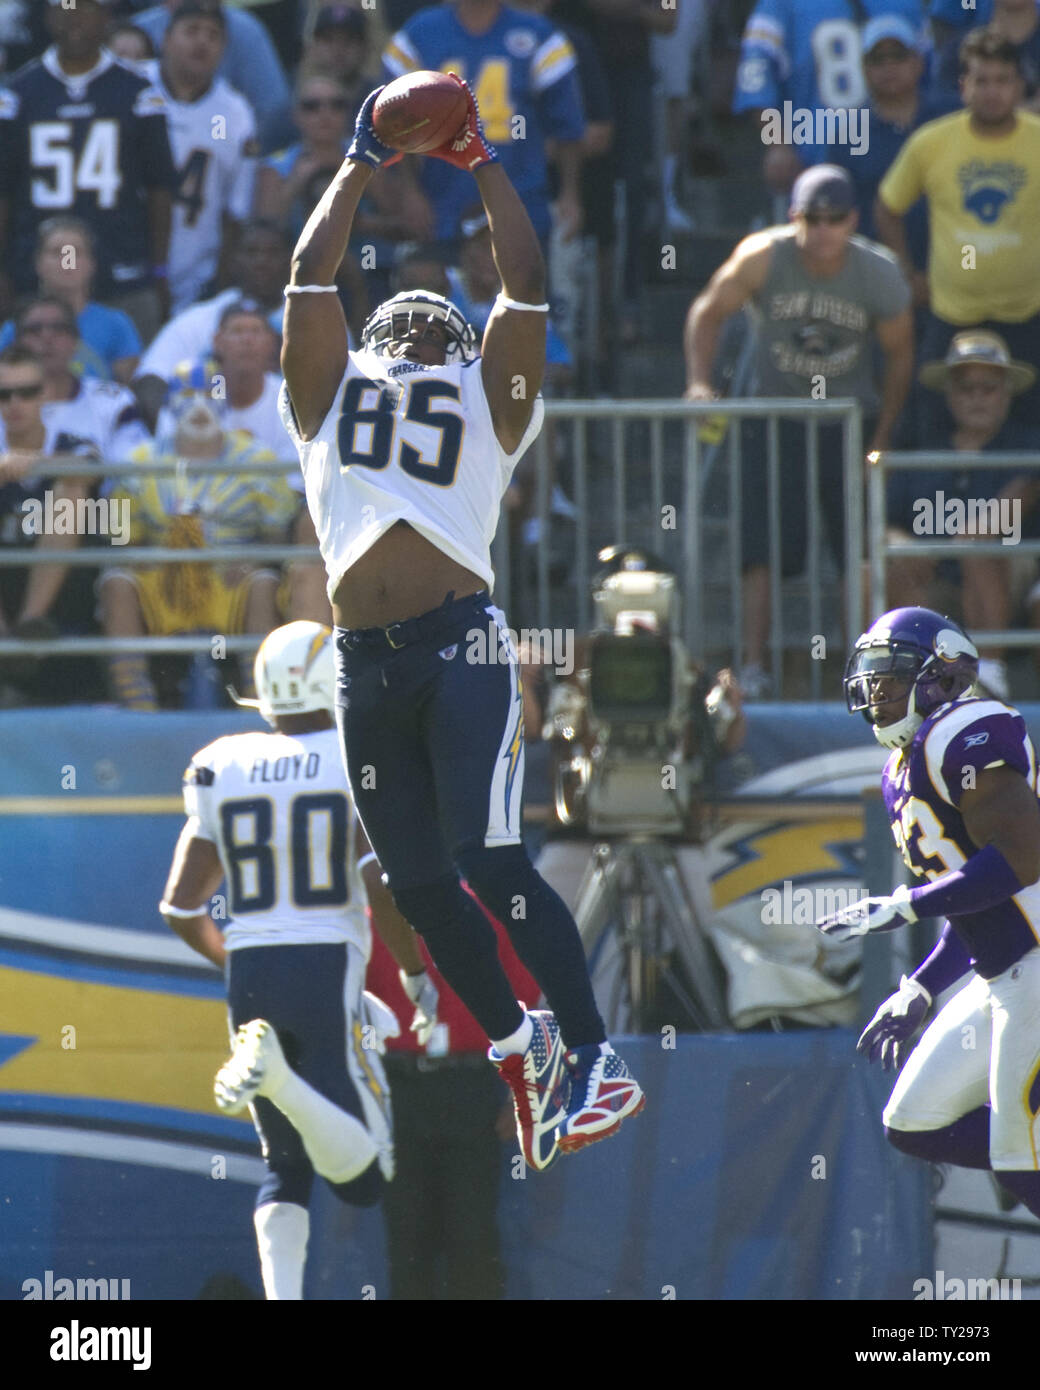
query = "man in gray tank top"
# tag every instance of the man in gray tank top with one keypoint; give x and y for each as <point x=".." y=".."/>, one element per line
<point x="823" y="301"/>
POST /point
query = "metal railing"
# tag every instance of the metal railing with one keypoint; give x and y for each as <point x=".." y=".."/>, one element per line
<point x="637" y="472"/>
<point x="880" y="548"/>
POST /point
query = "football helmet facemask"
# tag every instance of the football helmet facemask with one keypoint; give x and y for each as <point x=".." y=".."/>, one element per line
<point x="913" y="656"/>
<point x="395" y="318"/>
<point x="294" y="671"/>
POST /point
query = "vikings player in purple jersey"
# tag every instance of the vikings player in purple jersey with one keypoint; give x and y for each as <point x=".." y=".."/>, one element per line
<point x="961" y="793"/>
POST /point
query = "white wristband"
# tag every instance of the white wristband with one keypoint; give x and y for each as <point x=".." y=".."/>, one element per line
<point x="515" y="304"/>
<point x="310" y="289"/>
<point x="168" y="911"/>
<point x="369" y="858"/>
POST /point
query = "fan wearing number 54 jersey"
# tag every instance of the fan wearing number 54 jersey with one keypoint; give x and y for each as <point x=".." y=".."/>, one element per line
<point x="270" y="814"/>
<point x="961" y="793"/>
<point x="406" y="448"/>
<point x="84" y="135"/>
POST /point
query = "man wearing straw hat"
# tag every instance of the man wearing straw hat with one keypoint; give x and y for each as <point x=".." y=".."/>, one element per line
<point x="979" y="378"/>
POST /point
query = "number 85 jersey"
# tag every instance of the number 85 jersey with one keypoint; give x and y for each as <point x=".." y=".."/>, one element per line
<point x="922" y="786"/>
<point x="406" y="442"/>
<point x="278" y="809"/>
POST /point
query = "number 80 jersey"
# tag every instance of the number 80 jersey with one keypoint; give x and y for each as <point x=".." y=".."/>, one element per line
<point x="922" y="788"/>
<point x="406" y="442"/>
<point x="278" y="809"/>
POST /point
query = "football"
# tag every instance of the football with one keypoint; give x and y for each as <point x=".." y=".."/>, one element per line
<point x="419" y="111"/>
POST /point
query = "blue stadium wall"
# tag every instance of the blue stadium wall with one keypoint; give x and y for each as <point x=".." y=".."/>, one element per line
<point x="758" y="1170"/>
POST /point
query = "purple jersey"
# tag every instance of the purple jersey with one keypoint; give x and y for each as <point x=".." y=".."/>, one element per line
<point x="923" y="785"/>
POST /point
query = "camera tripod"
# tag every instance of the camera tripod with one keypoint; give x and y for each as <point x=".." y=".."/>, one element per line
<point x="635" y="885"/>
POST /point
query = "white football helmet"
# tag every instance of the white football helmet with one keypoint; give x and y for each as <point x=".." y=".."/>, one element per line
<point x="393" y="320"/>
<point x="294" y="671"/>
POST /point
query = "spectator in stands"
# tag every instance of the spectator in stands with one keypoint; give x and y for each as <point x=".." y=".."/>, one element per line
<point x="102" y="411"/>
<point x="213" y="141"/>
<point x="292" y="181"/>
<point x="474" y="284"/>
<point x="22" y="34"/>
<point x="259" y="273"/>
<point x="807" y="53"/>
<point x="240" y="372"/>
<point x="623" y="30"/>
<point x="338" y="48"/>
<point x="39" y="600"/>
<point x="321" y="111"/>
<point x="952" y="18"/>
<point x="979" y="378"/>
<point x="894" y="61"/>
<point x="109" y="345"/>
<point x="81" y="132"/>
<point x="570" y="292"/>
<point x="823" y="302"/>
<point x="187" y="510"/>
<point x="1019" y="22"/>
<point x="520" y="69"/>
<point x="979" y="170"/>
<point x="130" y="44"/>
<point x="250" y="64"/>
<point x="672" y="58"/>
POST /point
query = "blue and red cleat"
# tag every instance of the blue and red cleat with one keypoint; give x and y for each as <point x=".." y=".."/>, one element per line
<point x="538" y="1080"/>
<point x="603" y="1092"/>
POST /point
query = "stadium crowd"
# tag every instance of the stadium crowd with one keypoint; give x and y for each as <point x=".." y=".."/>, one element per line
<point x="157" y="163"/>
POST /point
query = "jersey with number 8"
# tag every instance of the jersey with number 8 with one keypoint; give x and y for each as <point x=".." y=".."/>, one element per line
<point x="278" y="809"/>
<point x="405" y="442"/>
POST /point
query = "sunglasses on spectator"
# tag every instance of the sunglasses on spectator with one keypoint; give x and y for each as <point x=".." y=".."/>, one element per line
<point x="831" y="218"/>
<point x="875" y="59"/>
<point x="20" y="393"/>
<point x="312" y="104"/>
<point x="48" y="326"/>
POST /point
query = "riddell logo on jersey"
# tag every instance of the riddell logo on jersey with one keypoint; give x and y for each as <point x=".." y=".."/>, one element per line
<point x="800" y="125"/>
<point x="84" y="516"/>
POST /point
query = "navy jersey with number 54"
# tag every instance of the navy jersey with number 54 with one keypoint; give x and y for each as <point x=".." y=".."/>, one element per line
<point x="922" y="787"/>
<point x="89" y="146"/>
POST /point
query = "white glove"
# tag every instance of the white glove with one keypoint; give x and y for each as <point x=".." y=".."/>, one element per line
<point x="381" y="1018"/>
<point x="869" y="914"/>
<point x="421" y="990"/>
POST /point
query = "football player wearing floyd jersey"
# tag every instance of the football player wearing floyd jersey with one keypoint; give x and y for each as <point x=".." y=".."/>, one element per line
<point x="406" y="448"/>
<point x="271" y="815"/>
<point x="961" y="793"/>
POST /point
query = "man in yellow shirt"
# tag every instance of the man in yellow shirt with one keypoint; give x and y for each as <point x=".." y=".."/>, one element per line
<point x="979" y="169"/>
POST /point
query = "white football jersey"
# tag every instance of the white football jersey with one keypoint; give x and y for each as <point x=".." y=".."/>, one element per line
<point x="214" y="147"/>
<point x="404" y="442"/>
<point x="102" y="411"/>
<point x="279" y="810"/>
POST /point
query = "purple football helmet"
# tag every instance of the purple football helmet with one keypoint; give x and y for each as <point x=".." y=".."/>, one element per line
<point x="909" y="654"/>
